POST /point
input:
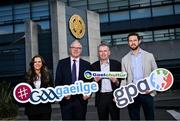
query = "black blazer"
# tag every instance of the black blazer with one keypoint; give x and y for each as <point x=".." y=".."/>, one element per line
<point x="41" y="108"/>
<point x="63" y="74"/>
<point x="114" y="66"/>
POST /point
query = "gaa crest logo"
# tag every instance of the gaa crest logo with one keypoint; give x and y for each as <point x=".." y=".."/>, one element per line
<point x="77" y="26"/>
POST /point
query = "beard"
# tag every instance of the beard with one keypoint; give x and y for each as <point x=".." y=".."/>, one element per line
<point x="134" y="47"/>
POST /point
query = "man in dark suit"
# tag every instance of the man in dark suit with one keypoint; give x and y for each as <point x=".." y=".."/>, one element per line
<point x="69" y="70"/>
<point x="104" y="97"/>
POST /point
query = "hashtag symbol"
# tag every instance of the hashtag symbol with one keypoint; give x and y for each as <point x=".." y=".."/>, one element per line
<point x="22" y="93"/>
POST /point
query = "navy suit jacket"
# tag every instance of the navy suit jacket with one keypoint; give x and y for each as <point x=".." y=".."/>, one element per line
<point x="114" y="66"/>
<point x="63" y="74"/>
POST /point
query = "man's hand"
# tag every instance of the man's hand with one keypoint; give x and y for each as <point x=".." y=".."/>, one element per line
<point x="67" y="97"/>
<point x="97" y="79"/>
<point x="114" y="80"/>
<point x="148" y="91"/>
<point x="86" y="97"/>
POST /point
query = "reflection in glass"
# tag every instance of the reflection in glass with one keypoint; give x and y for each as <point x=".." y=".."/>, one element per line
<point x="118" y="4"/>
<point x="106" y="39"/>
<point x="139" y="3"/>
<point x="146" y="36"/>
<point x="120" y="39"/>
<point x="163" y="10"/>
<point x="122" y="15"/>
<point x="5" y="13"/>
<point x="103" y="17"/>
<point x="22" y="11"/>
<point x="6" y="29"/>
<point x="140" y="13"/>
<point x="98" y="5"/>
<point x="19" y="28"/>
<point x="40" y="9"/>
<point x="177" y="9"/>
<point x="44" y="24"/>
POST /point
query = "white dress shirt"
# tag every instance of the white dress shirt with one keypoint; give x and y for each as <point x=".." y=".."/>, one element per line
<point x="37" y="83"/>
<point x="106" y="83"/>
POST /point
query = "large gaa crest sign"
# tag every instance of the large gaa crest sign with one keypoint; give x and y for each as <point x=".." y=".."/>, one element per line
<point x="77" y="26"/>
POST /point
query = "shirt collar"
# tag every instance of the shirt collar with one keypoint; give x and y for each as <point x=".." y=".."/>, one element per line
<point x="77" y="59"/>
<point x="139" y="52"/>
<point x="104" y="63"/>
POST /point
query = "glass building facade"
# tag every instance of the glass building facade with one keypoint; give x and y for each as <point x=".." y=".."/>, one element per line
<point x="154" y="20"/>
<point x="13" y="15"/>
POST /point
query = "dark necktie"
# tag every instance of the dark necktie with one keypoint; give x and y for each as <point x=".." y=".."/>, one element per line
<point x="74" y="71"/>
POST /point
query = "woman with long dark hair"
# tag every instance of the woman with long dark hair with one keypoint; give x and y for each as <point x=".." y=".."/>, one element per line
<point x="38" y="76"/>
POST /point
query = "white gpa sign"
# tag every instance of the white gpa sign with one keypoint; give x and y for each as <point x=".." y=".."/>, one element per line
<point x="160" y="80"/>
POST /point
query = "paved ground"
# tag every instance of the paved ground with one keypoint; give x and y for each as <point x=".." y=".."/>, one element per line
<point x="169" y="100"/>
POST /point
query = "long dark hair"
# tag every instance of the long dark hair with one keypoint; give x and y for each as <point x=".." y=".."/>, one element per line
<point x="31" y="75"/>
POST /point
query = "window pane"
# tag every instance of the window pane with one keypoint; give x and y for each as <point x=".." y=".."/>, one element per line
<point x="116" y="16"/>
<point x="146" y="36"/>
<point x="139" y="3"/>
<point x="78" y="3"/>
<point x="161" y="11"/>
<point x="5" y="13"/>
<point x="160" y="2"/>
<point x="44" y="24"/>
<point x="19" y="28"/>
<point x="40" y="9"/>
<point x="118" y="4"/>
<point x="106" y="39"/>
<point x="171" y="34"/>
<point x="119" y="39"/>
<point x="22" y="11"/>
<point x="161" y="35"/>
<point x="6" y="29"/>
<point x="178" y="33"/>
<point x="140" y="13"/>
<point x="177" y="9"/>
<point x="104" y="17"/>
<point x="81" y="4"/>
<point x="98" y="5"/>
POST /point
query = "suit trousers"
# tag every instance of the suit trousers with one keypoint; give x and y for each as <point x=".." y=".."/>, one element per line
<point x="147" y="103"/>
<point x="73" y="109"/>
<point x="43" y="116"/>
<point x="107" y="106"/>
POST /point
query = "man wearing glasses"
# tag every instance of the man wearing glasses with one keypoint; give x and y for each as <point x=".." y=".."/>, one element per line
<point x="69" y="70"/>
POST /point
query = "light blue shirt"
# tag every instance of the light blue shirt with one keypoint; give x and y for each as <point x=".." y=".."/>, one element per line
<point x="106" y="83"/>
<point x="137" y="67"/>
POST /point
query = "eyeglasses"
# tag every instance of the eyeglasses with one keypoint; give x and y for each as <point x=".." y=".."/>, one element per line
<point x="79" y="48"/>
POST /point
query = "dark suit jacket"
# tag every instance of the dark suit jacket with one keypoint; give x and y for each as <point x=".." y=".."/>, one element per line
<point x="114" y="66"/>
<point x="63" y="74"/>
<point x="41" y="108"/>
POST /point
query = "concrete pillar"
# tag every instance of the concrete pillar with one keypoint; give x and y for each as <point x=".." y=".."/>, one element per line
<point x="94" y="38"/>
<point x="31" y="41"/>
<point x="59" y="36"/>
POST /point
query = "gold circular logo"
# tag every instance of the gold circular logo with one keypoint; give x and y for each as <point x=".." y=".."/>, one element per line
<point x="77" y="26"/>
